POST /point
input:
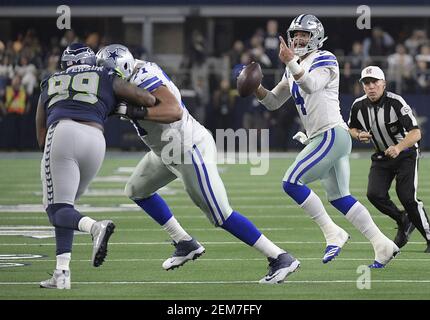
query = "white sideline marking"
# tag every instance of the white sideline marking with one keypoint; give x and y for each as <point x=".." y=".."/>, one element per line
<point x="217" y="282"/>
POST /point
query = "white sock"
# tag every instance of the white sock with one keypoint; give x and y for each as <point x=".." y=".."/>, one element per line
<point x="267" y="247"/>
<point x="360" y="218"/>
<point x="63" y="261"/>
<point x="175" y="231"/>
<point x="313" y="206"/>
<point x="85" y="224"/>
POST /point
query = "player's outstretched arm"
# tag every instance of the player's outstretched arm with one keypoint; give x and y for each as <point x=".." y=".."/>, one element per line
<point x="167" y="110"/>
<point x="132" y="94"/>
<point x="40" y="124"/>
<point x="140" y="102"/>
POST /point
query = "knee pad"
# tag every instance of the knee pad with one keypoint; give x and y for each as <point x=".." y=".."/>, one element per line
<point x="298" y="192"/>
<point x="53" y="208"/>
<point x="63" y="215"/>
<point x="129" y="190"/>
<point x="133" y="193"/>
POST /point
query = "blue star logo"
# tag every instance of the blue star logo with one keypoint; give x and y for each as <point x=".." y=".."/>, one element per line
<point x="113" y="55"/>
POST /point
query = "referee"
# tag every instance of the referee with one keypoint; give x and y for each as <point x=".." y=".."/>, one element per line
<point x="386" y="119"/>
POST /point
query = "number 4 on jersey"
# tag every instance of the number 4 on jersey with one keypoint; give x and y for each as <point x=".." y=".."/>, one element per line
<point x="298" y="99"/>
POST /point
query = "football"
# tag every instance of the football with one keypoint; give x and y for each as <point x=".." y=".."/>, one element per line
<point x="249" y="79"/>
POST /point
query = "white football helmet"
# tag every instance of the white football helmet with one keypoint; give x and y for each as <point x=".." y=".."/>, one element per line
<point x="119" y="56"/>
<point x="308" y="23"/>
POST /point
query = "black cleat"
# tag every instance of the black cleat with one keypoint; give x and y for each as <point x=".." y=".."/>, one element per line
<point x="404" y="230"/>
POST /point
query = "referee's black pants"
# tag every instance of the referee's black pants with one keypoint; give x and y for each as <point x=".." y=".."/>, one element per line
<point x="404" y="169"/>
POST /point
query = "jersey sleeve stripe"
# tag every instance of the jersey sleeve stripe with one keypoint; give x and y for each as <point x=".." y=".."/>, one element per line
<point x="154" y="86"/>
<point x="323" y="64"/>
<point x="148" y="82"/>
<point x="326" y="57"/>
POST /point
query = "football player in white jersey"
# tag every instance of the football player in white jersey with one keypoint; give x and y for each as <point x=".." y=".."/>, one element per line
<point x="312" y="79"/>
<point x="194" y="162"/>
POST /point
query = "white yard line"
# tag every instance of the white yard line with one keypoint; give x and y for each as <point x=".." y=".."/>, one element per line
<point x="50" y="228"/>
<point x="221" y="259"/>
<point x="216" y="282"/>
<point x="196" y="216"/>
<point x="89" y="243"/>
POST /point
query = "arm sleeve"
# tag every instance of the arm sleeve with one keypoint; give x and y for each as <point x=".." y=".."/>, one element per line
<point x="314" y="80"/>
<point x="44" y="91"/>
<point x="277" y="96"/>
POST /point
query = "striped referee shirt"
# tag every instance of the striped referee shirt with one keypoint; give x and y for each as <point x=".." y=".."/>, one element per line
<point x="388" y="120"/>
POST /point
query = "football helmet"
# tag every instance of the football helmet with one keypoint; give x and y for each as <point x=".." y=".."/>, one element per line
<point x="308" y="23"/>
<point x="119" y="57"/>
<point x="76" y="54"/>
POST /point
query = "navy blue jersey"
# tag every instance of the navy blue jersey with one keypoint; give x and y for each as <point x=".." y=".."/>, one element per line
<point x="79" y="93"/>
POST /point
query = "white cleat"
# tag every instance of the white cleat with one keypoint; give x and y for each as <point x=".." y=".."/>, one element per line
<point x="333" y="249"/>
<point x="60" y="280"/>
<point x="385" y="251"/>
<point x="280" y="268"/>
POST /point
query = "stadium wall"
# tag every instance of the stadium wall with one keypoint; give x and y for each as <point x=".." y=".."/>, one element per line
<point x="121" y="134"/>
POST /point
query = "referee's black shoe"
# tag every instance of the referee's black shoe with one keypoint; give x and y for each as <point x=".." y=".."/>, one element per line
<point x="404" y="229"/>
<point x="428" y="248"/>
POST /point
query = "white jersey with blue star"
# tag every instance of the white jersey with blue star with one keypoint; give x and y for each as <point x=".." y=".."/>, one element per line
<point x="317" y="99"/>
<point x="187" y="131"/>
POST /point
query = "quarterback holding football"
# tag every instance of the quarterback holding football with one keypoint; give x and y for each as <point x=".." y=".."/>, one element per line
<point x="312" y="78"/>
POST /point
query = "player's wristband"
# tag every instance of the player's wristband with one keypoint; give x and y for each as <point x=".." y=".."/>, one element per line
<point x="294" y="67"/>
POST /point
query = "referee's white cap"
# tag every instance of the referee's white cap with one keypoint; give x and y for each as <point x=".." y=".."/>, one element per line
<point x="372" y="72"/>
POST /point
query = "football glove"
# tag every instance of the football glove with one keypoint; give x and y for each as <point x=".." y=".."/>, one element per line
<point x="131" y="112"/>
<point x="301" y="137"/>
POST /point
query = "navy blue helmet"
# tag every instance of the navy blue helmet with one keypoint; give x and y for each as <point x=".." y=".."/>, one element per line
<point x="77" y="53"/>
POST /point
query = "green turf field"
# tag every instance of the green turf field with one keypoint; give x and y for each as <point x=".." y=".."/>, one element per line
<point x="228" y="269"/>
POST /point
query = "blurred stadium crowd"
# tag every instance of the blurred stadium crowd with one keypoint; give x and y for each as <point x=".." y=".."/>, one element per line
<point x="208" y="80"/>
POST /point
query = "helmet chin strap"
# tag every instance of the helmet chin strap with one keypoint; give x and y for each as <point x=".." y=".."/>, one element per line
<point x="322" y="41"/>
<point x="302" y="52"/>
